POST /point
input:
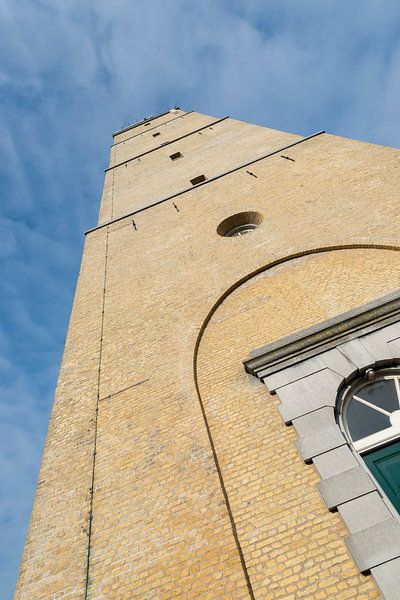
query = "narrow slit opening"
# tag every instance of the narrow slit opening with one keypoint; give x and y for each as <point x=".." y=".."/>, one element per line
<point x="198" y="179"/>
<point x="175" y="155"/>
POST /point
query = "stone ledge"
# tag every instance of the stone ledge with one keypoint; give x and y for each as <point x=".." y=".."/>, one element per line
<point x="320" y="442"/>
<point x="387" y="577"/>
<point x="375" y="545"/>
<point x="364" y="512"/>
<point x="345" y="486"/>
<point x="329" y="334"/>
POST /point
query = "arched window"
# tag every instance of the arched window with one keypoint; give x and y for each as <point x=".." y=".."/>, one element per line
<point x="371" y="419"/>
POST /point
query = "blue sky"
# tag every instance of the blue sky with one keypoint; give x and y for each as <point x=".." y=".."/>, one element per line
<point x="73" y="72"/>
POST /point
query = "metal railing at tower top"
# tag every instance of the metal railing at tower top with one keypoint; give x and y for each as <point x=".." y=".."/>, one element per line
<point x="145" y="120"/>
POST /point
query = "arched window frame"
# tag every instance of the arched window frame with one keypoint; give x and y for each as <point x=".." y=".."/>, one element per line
<point x="370" y="376"/>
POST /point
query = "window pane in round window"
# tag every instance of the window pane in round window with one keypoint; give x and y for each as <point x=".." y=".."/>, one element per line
<point x="363" y="420"/>
<point x="381" y="393"/>
<point x="241" y="230"/>
<point x="374" y="407"/>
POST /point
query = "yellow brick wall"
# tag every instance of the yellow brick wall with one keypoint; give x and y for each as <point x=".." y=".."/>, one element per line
<point x="55" y="549"/>
<point x="160" y="523"/>
<point x="209" y="152"/>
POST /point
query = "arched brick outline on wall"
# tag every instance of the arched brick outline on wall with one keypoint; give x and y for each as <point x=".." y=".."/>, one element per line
<point x="306" y="370"/>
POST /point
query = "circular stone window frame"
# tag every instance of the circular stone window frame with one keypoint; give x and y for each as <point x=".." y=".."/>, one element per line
<point x="245" y="222"/>
<point x="346" y="391"/>
<point x="379" y="372"/>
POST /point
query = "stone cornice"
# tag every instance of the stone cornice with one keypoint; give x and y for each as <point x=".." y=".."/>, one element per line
<point x="305" y="344"/>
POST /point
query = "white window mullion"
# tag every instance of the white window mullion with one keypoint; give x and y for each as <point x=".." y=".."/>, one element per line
<point x="397" y="386"/>
<point x="377" y="439"/>
<point x="373" y="406"/>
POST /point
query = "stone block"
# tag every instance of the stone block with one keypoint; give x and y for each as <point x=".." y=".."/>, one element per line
<point x="314" y="422"/>
<point x="376" y="344"/>
<point x="308" y="394"/>
<point x="331" y="359"/>
<point x="376" y="545"/>
<point x="387" y="577"/>
<point x="364" y="512"/>
<point x="320" y="442"/>
<point x="394" y="346"/>
<point x="334" y="462"/>
<point x="345" y="486"/>
<point x="356" y="352"/>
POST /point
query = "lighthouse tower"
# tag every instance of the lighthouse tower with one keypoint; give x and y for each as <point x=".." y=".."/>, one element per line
<point x="225" y="422"/>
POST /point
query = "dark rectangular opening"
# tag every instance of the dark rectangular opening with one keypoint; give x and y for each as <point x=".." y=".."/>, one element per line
<point x="156" y="134"/>
<point x="175" y="156"/>
<point x="198" y="179"/>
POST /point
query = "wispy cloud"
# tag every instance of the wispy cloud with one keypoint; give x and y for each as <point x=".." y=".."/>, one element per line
<point x="73" y="72"/>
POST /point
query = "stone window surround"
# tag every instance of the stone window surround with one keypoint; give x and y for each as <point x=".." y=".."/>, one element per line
<point x="386" y="431"/>
<point x="310" y="371"/>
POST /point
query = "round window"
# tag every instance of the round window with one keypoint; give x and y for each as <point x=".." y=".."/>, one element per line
<point x="241" y="230"/>
<point x="371" y="413"/>
<point x="371" y="417"/>
<point x="239" y="224"/>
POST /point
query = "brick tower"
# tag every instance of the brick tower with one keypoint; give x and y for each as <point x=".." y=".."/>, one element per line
<point x="226" y="255"/>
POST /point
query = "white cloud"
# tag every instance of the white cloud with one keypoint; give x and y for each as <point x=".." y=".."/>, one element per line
<point x="73" y="72"/>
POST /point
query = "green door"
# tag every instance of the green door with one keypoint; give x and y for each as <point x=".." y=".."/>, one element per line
<point x="384" y="464"/>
